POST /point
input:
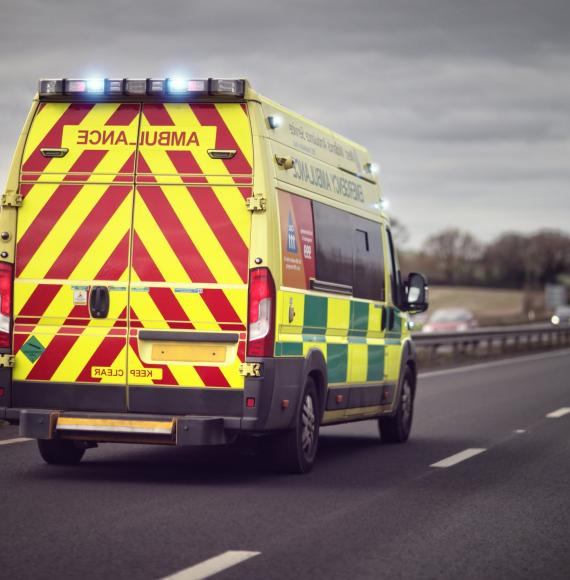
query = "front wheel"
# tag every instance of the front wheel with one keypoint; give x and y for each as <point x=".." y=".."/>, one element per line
<point x="294" y="451"/>
<point x="396" y="429"/>
<point x="60" y="451"/>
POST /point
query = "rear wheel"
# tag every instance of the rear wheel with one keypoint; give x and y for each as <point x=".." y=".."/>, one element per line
<point x="396" y="429"/>
<point x="294" y="451"/>
<point x="60" y="451"/>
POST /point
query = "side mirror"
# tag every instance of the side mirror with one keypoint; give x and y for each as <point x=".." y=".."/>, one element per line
<point x="416" y="293"/>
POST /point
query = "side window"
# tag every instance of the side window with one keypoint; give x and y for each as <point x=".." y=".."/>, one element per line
<point x="368" y="260"/>
<point x="394" y="270"/>
<point x="349" y="252"/>
<point x="333" y="233"/>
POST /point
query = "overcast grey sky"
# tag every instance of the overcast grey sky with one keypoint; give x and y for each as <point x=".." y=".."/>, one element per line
<point x="465" y="104"/>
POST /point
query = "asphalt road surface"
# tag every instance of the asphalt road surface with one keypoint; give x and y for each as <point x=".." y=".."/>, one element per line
<point x="426" y="509"/>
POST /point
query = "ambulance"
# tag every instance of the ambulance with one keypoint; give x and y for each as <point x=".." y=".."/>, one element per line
<point x="185" y="262"/>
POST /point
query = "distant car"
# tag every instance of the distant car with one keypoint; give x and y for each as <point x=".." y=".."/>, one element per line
<point x="561" y="315"/>
<point x="450" y="320"/>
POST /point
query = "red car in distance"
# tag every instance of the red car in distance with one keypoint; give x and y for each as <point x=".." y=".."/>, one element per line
<point x="450" y="320"/>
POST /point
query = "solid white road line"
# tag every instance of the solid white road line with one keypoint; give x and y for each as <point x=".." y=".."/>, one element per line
<point x="458" y="457"/>
<point x="559" y="413"/>
<point x="213" y="565"/>
<point x="17" y="440"/>
<point x="497" y="363"/>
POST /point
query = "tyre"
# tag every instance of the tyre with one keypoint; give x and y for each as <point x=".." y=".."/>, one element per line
<point x="397" y="428"/>
<point x="60" y="451"/>
<point x="295" y="450"/>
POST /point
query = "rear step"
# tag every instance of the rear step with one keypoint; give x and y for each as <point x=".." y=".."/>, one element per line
<point x="125" y="428"/>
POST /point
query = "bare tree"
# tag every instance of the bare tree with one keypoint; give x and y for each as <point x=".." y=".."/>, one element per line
<point x="457" y="254"/>
<point x="400" y="232"/>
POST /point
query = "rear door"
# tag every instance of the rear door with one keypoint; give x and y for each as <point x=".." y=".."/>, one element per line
<point x="188" y="292"/>
<point x="73" y="246"/>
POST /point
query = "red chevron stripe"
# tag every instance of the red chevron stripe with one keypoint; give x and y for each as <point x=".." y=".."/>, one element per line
<point x="168" y="305"/>
<point x="241" y="350"/>
<point x="207" y="114"/>
<point x="124" y="115"/>
<point x="175" y="234"/>
<point x="212" y="376"/>
<point x="85" y="164"/>
<point x="25" y="188"/>
<point x="43" y="224"/>
<point x="52" y="357"/>
<point x="184" y="162"/>
<point x="88" y="232"/>
<point x="18" y="341"/>
<point x="127" y="168"/>
<point x="222" y="227"/>
<point x="143" y="263"/>
<point x="55" y="352"/>
<point x="119" y="258"/>
<point x="221" y="309"/>
<point x="107" y="352"/>
<point x="156" y="114"/>
<point x="73" y="115"/>
<point x="39" y="300"/>
<point x="142" y="167"/>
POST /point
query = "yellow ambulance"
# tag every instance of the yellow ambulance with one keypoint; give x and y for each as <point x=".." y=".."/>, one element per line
<point x="183" y="261"/>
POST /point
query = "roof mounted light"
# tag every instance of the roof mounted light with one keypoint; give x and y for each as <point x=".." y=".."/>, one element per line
<point x="74" y="86"/>
<point x="227" y="87"/>
<point x="274" y="121"/>
<point x="371" y="168"/>
<point x="179" y="86"/>
<point x="114" y="86"/>
<point x="96" y="86"/>
<point x="49" y="87"/>
<point x="135" y="86"/>
<point x="174" y="87"/>
<point x="155" y="86"/>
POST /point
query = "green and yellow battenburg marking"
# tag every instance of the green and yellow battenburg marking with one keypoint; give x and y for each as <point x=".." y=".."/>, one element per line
<point x="347" y="331"/>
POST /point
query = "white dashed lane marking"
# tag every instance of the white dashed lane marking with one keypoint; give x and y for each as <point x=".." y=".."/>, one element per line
<point x="213" y="565"/>
<point x="17" y="440"/>
<point x="458" y="457"/>
<point x="559" y="413"/>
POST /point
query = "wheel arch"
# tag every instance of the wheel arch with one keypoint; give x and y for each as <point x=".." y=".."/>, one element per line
<point x="316" y="367"/>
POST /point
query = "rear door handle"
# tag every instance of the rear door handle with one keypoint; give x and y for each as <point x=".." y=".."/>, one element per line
<point x="99" y="302"/>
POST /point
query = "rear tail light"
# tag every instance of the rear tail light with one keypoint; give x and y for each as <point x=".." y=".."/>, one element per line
<point x="261" y="313"/>
<point x="5" y="304"/>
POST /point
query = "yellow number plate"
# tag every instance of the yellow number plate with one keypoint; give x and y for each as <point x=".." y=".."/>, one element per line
<point x="188" y="352"/>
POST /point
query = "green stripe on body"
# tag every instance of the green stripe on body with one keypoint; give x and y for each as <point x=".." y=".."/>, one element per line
<point x="375" y="371"/>
<point x="358" y="318"/>
<point x="337" y="363"/>
<point x="315" y="321"/>
<point x="289" y="349"/>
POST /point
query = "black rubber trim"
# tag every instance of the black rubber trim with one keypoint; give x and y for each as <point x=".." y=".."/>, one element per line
<point x="69" y="396"/>
<point x="165" y="335"/>
<point x="186" y="401"/>
<point x="356" y="396"/>
<point x="324" y="286"/>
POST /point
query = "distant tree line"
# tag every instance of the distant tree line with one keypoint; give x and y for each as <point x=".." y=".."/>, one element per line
<point x="513" y="260"/>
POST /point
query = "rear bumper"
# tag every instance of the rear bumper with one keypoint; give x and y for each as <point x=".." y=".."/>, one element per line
<point x="195" y="410"/>
<point x="127" y="428"/>
<point x="281" y="380"/>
